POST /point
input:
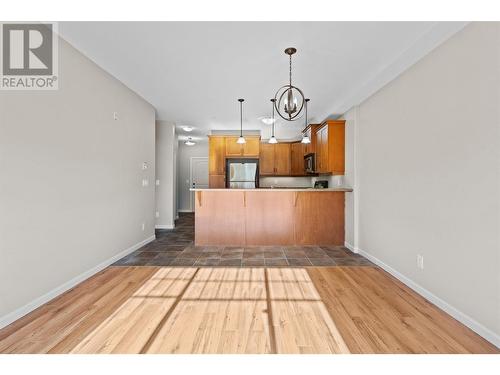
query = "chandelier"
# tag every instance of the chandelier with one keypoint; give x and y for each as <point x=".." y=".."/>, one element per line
<point x="289" y="99"/>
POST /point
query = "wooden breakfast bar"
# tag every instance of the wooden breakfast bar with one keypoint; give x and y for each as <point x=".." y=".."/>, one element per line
<point x="266" y="217"/>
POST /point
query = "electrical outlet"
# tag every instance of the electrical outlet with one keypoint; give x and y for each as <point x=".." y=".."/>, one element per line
<point x="420" y="261"/>
<point x="115" y="116"/>
<point x="157" y="182"/>
<point x="143" y="226"/>
<point x="157" y="214"/>
<point x="144" y="166"/>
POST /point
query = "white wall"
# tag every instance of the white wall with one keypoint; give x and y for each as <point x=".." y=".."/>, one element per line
<point x="428" y="176"/>
<point x="71" y="195"/>
<point x="184" y="155"/>
<point x="166" y="165"/>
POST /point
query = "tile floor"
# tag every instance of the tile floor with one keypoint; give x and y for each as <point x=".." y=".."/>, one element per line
<point x="176" y="248"/>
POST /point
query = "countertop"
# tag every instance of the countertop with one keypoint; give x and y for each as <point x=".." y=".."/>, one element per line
<point x="339" y="188"/>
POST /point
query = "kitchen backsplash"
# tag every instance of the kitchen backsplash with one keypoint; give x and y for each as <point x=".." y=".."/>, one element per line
<point x="285" y="181"/>
<point x="333" y="181"/>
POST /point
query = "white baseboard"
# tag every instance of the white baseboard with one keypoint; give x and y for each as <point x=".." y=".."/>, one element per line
<point x="164" y="226"/>
<point x="351" y="247"/>
<point x="443" y="305"/>
<point x="185" y="211"/>
<point x="19" y="313"/>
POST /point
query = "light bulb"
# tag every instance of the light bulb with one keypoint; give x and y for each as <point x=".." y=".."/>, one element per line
<point x="241" y="140"/>
<point x="305" y="139"/>
<point x="273" y="140"/>
<point x="267" y="120"/>
<point x="189" y="142"/>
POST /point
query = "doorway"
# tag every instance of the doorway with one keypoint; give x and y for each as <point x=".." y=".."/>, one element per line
<point x="198" y="179"/>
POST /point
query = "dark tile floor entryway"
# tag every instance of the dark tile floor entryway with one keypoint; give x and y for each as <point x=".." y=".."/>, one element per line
<point x="176" y="248"/>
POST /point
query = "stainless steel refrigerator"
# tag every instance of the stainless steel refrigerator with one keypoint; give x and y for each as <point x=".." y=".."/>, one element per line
<point x="242" y="173"/>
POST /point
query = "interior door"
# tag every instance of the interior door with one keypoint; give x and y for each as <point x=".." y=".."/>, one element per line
<point x="199" y="175"/>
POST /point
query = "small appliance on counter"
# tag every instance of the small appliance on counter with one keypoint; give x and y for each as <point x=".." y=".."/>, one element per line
<point x="321" y="184"/>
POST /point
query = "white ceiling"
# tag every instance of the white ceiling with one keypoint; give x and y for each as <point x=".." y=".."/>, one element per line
<point x="194" y="72"/>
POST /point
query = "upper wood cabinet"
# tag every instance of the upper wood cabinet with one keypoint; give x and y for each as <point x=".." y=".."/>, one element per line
<point x="266" y="162"/>
<point x="330" y="147"/>
<point x="282" y="159"/>
<point x="275" y="159"/>
<point x="233" y="148"/>
<point x="310" y="131"/>
<point x="252" y="147"/>
<point x="216" y="154"/>
<point x="297" y="152"/>
<point x="222" y="147"/>
<point x="248" y="149"/>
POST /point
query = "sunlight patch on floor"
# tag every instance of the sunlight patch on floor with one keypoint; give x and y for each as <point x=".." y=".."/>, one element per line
<point x="219" y="310"/>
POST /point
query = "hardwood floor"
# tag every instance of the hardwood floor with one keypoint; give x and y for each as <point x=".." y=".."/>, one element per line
<point x="240" y="310"/>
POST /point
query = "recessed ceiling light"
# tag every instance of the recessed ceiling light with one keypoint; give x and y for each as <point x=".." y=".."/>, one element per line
<point x="267" y="120"/>
<point x="187" y="128"/>
<point x="189" y="142"/>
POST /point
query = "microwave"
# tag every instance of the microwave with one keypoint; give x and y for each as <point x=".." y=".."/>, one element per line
<point x="309" y="163"/>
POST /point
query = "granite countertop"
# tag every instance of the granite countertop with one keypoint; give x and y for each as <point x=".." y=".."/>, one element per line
<point x="338" y="188"/>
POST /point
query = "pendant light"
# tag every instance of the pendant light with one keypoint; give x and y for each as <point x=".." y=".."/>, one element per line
<point x="289" y="99"/>
<point x="305" y="137"/>
<point x="241" y="140"/>
<point x="273" y="139"/>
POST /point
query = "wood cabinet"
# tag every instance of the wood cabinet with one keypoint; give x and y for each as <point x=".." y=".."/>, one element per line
<point x="330" y="147"/>
<point x="282" y="159"/>
<point x="252" y="147"/>
<point x="233" y="148"/>
<point x="275" y="159"/>
<point x="216" y="162"/>
<point x="222" y="147"/>
<point x="297" y="152"/>
<point x="249" y="149"/>
<point x="266" y="159"/>
<point x="310" y="131"/>
<point x="217" y="181"/>
<point x="216" y="155"/>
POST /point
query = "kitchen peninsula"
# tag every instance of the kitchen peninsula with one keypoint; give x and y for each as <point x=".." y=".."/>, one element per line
<point x="267" y="217"/>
